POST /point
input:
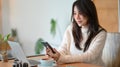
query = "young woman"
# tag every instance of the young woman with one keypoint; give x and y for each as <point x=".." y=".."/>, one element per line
<point x="84" y="39"/>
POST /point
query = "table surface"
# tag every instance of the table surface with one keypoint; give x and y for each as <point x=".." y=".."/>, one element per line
<point x="10" y="62"/>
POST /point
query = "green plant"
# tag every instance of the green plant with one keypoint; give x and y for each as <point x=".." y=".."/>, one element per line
<point x="39" y="46"/>
<point x="3" y="42"/>
<point x="4" y="38"/>
<point x="0" y="36"/>
<point x="4" y="46"/>
<point x="53" y="27"/>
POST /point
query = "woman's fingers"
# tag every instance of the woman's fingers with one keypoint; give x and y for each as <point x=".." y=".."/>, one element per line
<point x="49" y="52"/>
<point x="55" y="50"/>
<point x="55" y="55"/>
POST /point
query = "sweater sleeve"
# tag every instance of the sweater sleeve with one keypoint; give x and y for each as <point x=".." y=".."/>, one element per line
<point x="95" y="49"/>
<point x="63" y="49"/>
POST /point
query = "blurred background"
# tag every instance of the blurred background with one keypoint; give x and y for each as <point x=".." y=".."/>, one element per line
<point x="34" y="20"/>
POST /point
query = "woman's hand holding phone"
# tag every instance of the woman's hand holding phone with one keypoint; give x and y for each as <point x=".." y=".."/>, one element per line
<point x="51" y="52"/>
<point x="46" y="44"/>
<point x="55" y="55"/>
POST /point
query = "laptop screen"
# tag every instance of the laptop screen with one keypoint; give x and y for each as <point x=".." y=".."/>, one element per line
<point x="17" y="51"/>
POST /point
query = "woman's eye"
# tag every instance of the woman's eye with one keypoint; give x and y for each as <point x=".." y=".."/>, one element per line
<point x="74" y="13"/>
<point x="80" y="13"/>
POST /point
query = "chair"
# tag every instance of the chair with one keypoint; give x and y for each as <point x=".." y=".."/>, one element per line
<point x="111" y="51"/>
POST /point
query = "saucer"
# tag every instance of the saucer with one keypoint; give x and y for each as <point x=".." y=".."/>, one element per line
<point x="47" y="63"/>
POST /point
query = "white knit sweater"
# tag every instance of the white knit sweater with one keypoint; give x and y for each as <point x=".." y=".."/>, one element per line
<point x="69" y="53"/>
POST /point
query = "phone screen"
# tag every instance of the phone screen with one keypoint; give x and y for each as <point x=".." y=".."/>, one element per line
<point x="46" y="44"/>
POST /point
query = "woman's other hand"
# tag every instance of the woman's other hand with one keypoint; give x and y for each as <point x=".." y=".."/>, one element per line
<point x="55" y="55"/>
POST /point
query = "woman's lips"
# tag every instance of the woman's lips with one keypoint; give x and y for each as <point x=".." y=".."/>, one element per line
<point x="79" y="21"/>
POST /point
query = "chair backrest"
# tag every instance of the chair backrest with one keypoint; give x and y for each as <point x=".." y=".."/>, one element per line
<point x="111" y="52"/>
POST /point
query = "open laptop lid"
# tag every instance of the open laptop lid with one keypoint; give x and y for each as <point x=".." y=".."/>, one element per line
<point x="17" y="51"/>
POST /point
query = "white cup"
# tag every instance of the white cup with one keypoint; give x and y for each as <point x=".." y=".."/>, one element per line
<point x="48" y="62"/>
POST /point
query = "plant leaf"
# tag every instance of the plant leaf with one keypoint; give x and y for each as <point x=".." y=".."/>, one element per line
<point x="39" y="46"/>
<point x="0" y="36"/>
<point x="6" y="37"/>
<point x="53" y="27"/>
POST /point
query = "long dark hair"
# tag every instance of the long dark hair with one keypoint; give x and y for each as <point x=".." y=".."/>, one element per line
<point x="88" y="9"/>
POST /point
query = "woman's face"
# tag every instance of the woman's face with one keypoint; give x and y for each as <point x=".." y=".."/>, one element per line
<point x="80" y="19"/>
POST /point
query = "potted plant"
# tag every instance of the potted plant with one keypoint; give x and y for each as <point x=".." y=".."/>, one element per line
<point x="4" y="47"/>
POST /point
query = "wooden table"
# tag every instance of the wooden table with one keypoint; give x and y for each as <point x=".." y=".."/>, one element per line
<point x="10" y="62"/>
<point x="78" y="65"/>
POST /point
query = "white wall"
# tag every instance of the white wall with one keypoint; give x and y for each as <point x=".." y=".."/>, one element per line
<point x="5" y="17"/>
<point x="0" y="17"/>
<point x="32" y="18"/>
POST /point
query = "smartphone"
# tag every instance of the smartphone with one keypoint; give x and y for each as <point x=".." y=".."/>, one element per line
<point x="46" y="44"/>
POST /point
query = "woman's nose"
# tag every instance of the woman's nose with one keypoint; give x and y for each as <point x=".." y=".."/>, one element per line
<point x="78" y="16"/>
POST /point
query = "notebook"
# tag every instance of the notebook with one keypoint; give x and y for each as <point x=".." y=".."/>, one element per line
<point x="18" y="53"/>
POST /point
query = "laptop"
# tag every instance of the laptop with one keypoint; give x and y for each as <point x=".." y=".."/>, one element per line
<point x="18" y="53"/>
